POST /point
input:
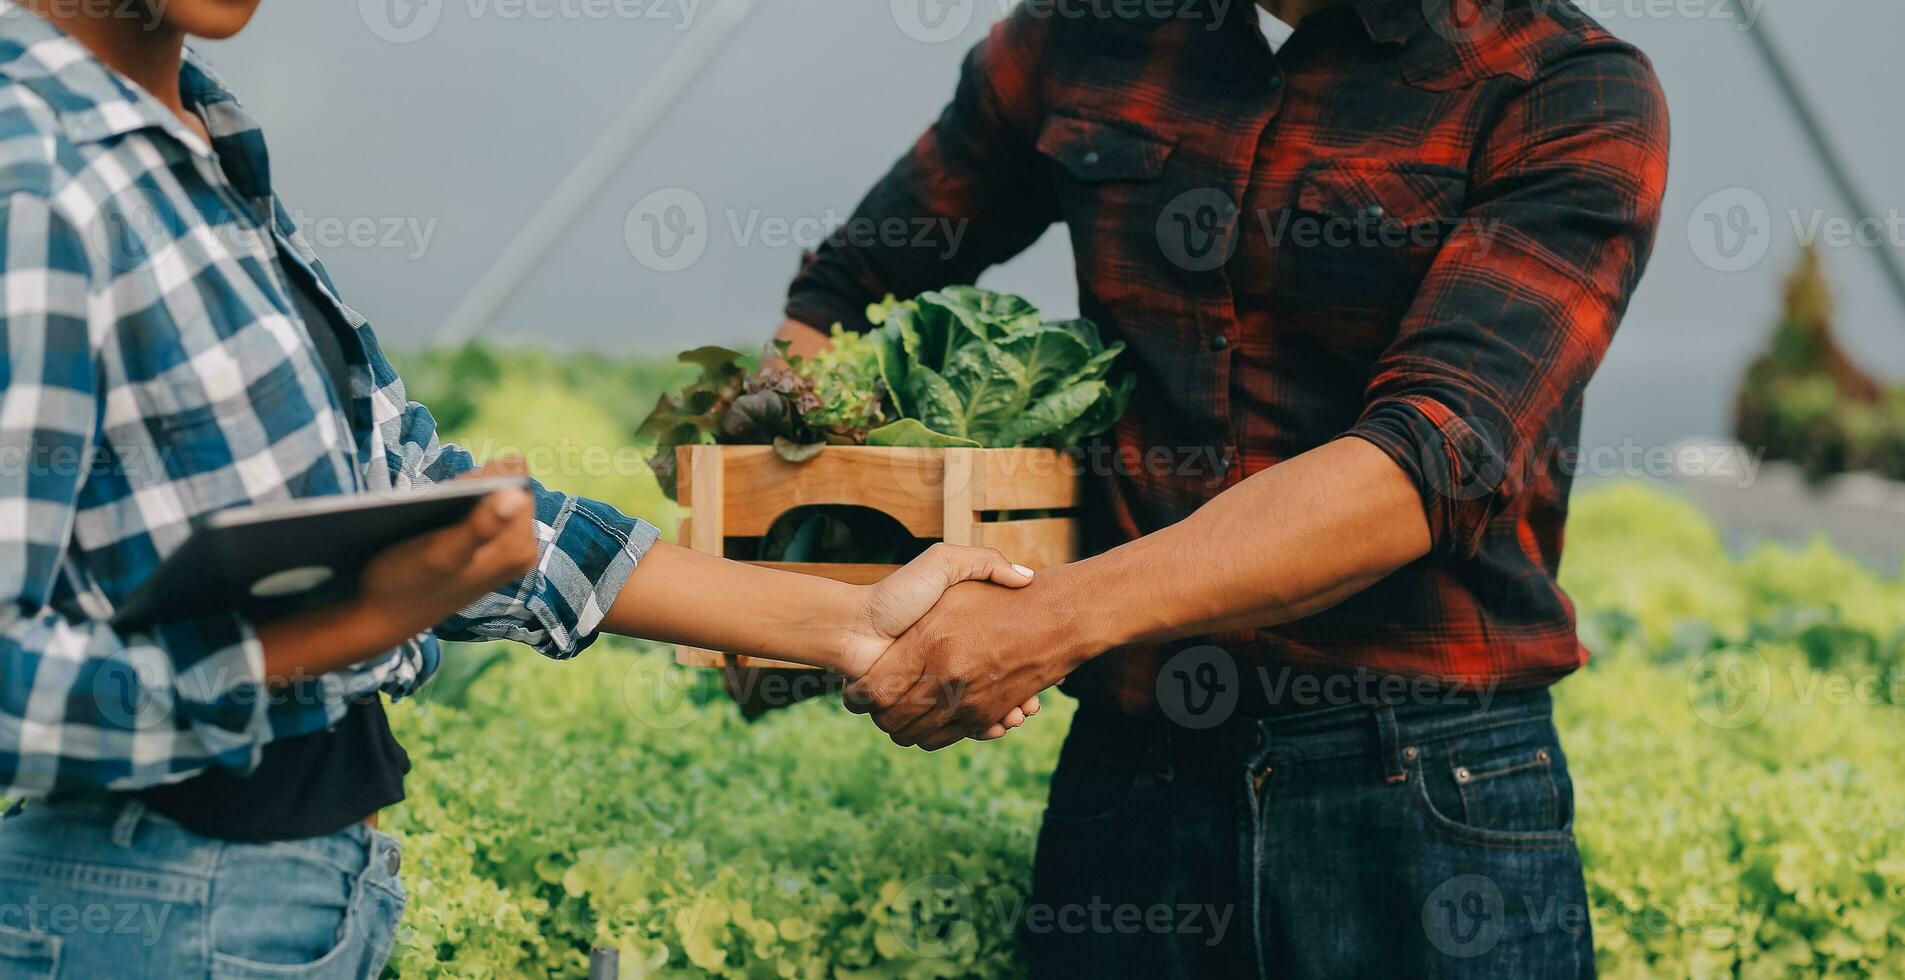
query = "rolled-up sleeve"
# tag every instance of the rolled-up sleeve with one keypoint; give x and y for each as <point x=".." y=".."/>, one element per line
<point x="586" y="549"/>
<point x="1523" y="298"/>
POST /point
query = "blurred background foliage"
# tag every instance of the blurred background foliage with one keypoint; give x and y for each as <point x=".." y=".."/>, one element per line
<point x="1806" y="401"/>
<point x="1736" y="740"/>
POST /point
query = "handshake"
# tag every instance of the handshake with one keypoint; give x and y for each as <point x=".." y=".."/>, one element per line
<point x="956" y="644"/>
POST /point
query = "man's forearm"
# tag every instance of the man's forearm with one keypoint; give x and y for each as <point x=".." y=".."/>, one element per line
<point x="1286" y="543"/>
<point x="802" y="339"/>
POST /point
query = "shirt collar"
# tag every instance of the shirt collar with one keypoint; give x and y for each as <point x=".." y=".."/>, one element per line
<point x="1438" y="49"/>
<point x="94" y="102"/>
<point x="1391" y="21"/>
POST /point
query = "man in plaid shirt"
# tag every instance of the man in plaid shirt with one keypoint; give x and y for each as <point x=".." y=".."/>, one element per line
<point x="1365" y="256"/>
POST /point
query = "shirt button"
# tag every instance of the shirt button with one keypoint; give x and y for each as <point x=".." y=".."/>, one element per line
<point x="1090" y="159"/>
<point x="1375" y="211"/>
<point x="1223" y="464"/>
<point x="1219" y="342"/>
<point x="1276" y="81"/>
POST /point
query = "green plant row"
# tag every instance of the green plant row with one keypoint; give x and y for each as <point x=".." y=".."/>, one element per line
<point x="1737" y="745"/>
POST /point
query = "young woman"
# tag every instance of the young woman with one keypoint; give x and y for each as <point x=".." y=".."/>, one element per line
<point x="200" y="799"/>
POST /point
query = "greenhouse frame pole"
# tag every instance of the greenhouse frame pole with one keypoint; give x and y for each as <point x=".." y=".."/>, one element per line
<point x="1822" y="145"/>
<point x="651" y="104"/>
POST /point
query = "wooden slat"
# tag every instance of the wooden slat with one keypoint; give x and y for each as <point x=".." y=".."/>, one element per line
<point x="851" y="574"/>
<point x="1034" y="543"/>
<point x="701" y="466"/>
<point x="959" y="518"/>
<point x="1025" y="479"/>
<point x="697" y="657"/>
<point x="904" y="484"/>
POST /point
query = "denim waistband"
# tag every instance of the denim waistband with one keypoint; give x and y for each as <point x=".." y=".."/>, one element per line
<point x="101" y="824"/>
<point x="1390" y="729"/>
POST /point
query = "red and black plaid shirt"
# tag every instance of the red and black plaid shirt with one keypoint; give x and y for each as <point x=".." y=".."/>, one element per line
<point x="1415" y="228"/>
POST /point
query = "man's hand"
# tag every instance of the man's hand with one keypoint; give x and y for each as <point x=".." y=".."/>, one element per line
<point x="980" y="651"/>
<point x="897" y="602"/>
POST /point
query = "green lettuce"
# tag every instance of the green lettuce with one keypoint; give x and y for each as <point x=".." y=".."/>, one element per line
<point x="966" y="366"/>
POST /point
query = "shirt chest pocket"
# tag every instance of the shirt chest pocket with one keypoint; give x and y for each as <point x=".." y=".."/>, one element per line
<point x="1360" y="235"/>
<point x="1102" y="174"/>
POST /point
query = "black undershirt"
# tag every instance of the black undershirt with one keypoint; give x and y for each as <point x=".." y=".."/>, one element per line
<point x="316" y="784"/>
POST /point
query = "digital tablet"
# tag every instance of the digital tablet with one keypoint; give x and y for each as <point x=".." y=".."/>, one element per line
<point x="269" y="560"/>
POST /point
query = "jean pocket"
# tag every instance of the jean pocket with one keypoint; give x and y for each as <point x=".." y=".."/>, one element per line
<point x="380" y="916"/>
<point x="1504" y="787"/>
<point x="279" y="912"/>
<point x="28" y="953"/>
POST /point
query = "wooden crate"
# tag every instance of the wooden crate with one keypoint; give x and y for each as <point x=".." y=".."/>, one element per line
<point x="962" y="496"/>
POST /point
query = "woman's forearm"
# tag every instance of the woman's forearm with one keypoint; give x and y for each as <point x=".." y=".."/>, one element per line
<point x="332" y="638"/>
<point x="677" y="595"/>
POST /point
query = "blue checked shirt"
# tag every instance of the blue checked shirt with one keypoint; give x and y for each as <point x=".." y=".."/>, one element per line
<point x="156" y="371"/>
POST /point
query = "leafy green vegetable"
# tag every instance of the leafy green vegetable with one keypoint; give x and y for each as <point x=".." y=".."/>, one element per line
<point x="959" y="367"/>
<point x="691" y="417"/>
<point x="848" y="394"/>
<point x="971" y="367"/>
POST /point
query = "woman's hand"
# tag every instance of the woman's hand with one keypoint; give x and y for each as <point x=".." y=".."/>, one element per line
<point x="428" y="578"/>
<point x="894" y="604"/>
<point x="408" y="588"/>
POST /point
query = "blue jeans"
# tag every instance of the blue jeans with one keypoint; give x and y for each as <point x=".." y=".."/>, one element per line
<point x="108" y="889"/>
<point x="1414" y="840"/>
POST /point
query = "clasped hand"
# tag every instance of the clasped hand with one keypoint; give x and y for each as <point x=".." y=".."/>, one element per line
<point x="969" y="642"/>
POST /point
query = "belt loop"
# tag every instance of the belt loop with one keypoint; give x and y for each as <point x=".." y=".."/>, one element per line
<point x="1394" y="754"/>
<point x="127" y="822"/>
